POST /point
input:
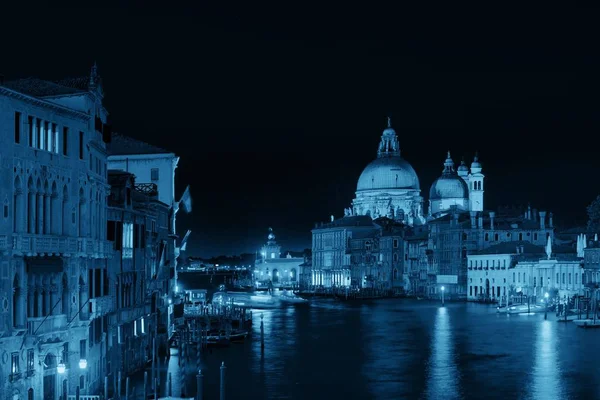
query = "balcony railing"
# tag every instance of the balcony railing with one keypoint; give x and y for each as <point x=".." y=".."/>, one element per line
<point x="32" y="244"/>
<point x="43" y="325"/>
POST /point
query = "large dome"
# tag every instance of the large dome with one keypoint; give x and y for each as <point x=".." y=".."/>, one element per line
<point x="388" y="173"/>
<point x="449" y="187"/>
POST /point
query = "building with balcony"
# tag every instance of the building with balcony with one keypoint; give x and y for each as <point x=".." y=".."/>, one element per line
<point x="153" y="167"/>
<point x="53" y="255"/>
<point x="139" y="230"/>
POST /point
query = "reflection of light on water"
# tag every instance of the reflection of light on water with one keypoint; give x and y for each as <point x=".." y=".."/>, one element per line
<point x="442" y="381"/>
<point x="546" y="370"/>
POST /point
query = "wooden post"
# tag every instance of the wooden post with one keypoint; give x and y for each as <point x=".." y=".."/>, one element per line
<point x="105" y="387"/>
<point x="145" y="385"/>
<point x="127" y="388"/>
<point x="262" y="333"/>
<point x="170" y="386"/>
<point x="200" y="387"/>
<point x="119" y="385"/>
<point x="222" y="388"/>
<point x="77" y="393"/>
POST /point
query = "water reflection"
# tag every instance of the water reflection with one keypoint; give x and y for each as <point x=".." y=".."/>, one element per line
<point x="545" y="382"/>
<point x="442" y="369"/>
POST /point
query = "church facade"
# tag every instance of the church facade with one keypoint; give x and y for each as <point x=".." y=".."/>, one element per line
<point x="434" y="242"/>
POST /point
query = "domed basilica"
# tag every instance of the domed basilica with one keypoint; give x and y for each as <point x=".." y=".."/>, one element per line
<point x="389" y="187"/>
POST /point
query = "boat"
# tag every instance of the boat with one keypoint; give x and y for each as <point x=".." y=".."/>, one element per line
<point x="587" y="323"/>
<point x="217" y="341"/>
<point x="238" y="336"/>
<point x="522" y="309"/>
<point x="288" y="296"/>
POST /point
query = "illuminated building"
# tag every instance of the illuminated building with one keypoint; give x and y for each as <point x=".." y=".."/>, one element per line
<point x="53" y="252"/>
<point x="435" y="247"/>
<point x="519" y="267"/>
<point x="271" y="267"/>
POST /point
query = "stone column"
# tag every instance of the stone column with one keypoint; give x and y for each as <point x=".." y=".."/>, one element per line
<point x="66" y="218"/>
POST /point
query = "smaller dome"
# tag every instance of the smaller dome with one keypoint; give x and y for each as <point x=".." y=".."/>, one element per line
<point x="449" y="187"/>
<point x="463" y="167"/>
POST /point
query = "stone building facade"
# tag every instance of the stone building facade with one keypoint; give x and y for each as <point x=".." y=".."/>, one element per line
<point x="53" y="252"/>
<point x="138" y="227"/>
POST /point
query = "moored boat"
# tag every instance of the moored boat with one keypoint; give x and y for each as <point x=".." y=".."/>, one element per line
<point x="521" y="309"/>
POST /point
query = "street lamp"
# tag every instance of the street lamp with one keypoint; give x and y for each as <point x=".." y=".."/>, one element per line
<point x="546" y="295"/>
<point x="443" y="289"/>
<point x="61" y="367"/>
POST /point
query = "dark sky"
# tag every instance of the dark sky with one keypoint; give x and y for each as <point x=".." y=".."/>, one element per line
<point x="275" y="112"/>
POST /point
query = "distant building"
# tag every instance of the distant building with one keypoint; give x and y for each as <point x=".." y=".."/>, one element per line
<point x="331" y="265"/>
<point x="455" y="225"/>
<point x="379" y="255"/>
<point x="273" y="269"/>
<point x="53" y="252"/>
<point x="592" y="263"/>
<point x="520" y="267"/>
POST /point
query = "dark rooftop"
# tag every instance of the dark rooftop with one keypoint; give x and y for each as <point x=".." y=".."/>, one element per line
<point x="121" y="145"/>
<point x="511" y="248"/>
<point x="348" y="221"/>
<point x="40" y="88"/>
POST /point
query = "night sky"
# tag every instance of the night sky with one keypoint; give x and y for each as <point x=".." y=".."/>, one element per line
<point x="275" y="112"/>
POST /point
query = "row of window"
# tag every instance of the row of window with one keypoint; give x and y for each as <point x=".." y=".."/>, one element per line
<point x="487" y="263"/>
<point x="566" y="279"/>
<point x="44" y="135"/>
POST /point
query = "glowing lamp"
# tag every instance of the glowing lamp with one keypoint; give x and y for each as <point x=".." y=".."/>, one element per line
<point x="83" y="363"/>
<point x="443" y="288"/>
<point x="546" y="295"/>
<point x="61" y="368"/>
<point x="170" y="301"/>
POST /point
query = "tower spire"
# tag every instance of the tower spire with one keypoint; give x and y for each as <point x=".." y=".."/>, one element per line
<point x="389" y="145"/>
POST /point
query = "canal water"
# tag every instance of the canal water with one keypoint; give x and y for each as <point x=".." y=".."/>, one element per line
<point x="403" y="349"/>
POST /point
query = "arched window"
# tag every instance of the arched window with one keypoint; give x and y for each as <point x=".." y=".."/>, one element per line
<point x="18" y="207"/>
<point x="30" y="394"/>
<point x="31" y="200"/>
<point x="395" y="273"/>
<point x="17" y="306"/>
<point x="82" y="213"/>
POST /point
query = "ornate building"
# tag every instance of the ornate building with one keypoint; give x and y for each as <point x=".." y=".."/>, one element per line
<point x="389" y="186"/>
<point x="53" y="252"/>
<point x="434" y="249"/>
<point x="272" y="268"/>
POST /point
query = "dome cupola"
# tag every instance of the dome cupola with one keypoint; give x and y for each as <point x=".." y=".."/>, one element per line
<point x="448" y="190"/>
<point x="389" y="170"/>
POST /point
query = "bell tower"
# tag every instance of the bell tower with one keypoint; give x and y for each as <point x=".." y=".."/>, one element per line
<point x="476" y="185"/>
<point x="271" y="249"/>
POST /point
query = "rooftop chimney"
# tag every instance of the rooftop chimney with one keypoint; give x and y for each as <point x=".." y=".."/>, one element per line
<point x="550" y="224"/>
<point x="535" y="215"/>
<point x="543" y="219"/>
<point x="492" y="216"/>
